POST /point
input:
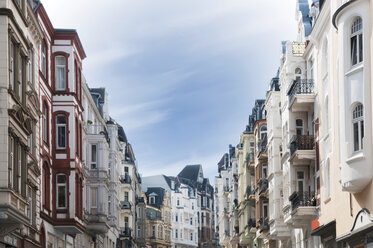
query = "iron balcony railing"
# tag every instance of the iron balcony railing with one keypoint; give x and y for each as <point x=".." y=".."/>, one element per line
<point x="302" y="199"/>
<point x="263" y="185"/>
<point x="302" y="86"/>
<point x="125" y="179"/>
<point x="263" y="224"/>
<point x="126" y="232"/>
<point x="125" y="205"/>
<point x="301" y="142"/>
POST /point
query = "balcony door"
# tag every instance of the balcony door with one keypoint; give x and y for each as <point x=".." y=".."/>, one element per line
<point x="300" y="181"/>
<point x="299" y="126"/>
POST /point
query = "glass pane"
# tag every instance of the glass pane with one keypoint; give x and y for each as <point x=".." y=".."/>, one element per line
<point x="60" y="60"/>
<point x="356" y="137"/>
<point x="362" y="133"/>
<point x="300" y="175"/>
<point x="61" y="119"/>
<point x="61" y="192"/>
<point x="353" y="50"/>
<point x="61" y="136"/>
<point x="61" y="178"/>
<point x="299" y="122"/>
<point x="360" y="47"/>
<point x="94" y="153"/>
<point x="300" y="186"/>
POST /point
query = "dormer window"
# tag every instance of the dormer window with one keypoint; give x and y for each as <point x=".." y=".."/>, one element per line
<point x="356" y="41"/>
<point x="152" y="200"/>
<point x="60" y="73"/>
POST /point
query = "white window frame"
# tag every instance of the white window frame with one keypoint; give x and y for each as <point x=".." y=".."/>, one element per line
<point x="63" y="126"/>
<point x="357" y="33"/>
<point x="94" y="156"/>
<point x="358" y="119"/>
<point x="60" y="73"/>
<point x="58" y="185"/>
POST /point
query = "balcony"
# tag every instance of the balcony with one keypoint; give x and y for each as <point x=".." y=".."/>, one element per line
<point x="125" y="232"/>
<point x="302" y="149"/>
<point x="263" y="224"/>
<point x="303" y="208"/>
<point x="262" y="185"/>
<point x="97" y="130"/>
<point x="125" y="179"/>
<point x="250" y="193"/>
<point x="301" y="95"/>
<point x="125" y="205"/>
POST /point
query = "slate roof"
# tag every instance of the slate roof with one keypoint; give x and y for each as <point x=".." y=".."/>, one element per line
<point x="190" y="172"/>
<point x="159" y="194"/>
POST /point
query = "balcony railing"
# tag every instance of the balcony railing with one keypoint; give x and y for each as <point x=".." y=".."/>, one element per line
<point x="263" y="185"/>
<point x="303" y="86"/>
<point x="125" y="179"/>
<point x="125" y="205"/>
<point x="126" y="232"/>
<point x="263" y="224"/>
<point x="302" y="199"/>
<point x="301" y="142"/>
<point x="97" y="130"/>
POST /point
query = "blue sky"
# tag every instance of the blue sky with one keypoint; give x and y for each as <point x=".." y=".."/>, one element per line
<point x="182" y="76"/>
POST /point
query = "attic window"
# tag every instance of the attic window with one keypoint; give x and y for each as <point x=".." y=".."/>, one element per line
<point x="152" y="200"/>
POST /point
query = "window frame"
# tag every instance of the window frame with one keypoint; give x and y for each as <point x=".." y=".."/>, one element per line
<point x="64" y="73"/>
<point x="61" y="125"/>
<point x="58" y="185"/>
<point x="356" y="31"/>
<point x="359" y="121"/>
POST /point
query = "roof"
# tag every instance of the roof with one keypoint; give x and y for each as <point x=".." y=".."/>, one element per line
<point x="156" y="181"/>
<point x="158" y="193"/>
<point x="190" y="172"/>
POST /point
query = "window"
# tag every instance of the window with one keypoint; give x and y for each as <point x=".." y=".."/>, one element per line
<point x="30" y="68"/>
<point x="19" y="168"/>
<point x="178" y="202"/>
<point x="299" y="126"/>
<point x="358" y="127"/>
<point x="300" y="181"/>
<point x="60" y="72"/>
<point x="12" y="65"/>
<point x="176" y="233"/>
<point x="61" y="131"/>
<point x="191" y="236"/>
<point x="176" y="217"/>
<point x="94" y="197"/>
<point x="45" y="122"/>
<point x="264" y="171"/>
<point x="153" y="231"/>
<point x="126" y="196"/>
<point x="152" y="200"/>
<point x="46" y="181"/>
<point x="11" y="162"/>
<point x="326" y="116"/>
<point x="138" y="232"/>
<point x="44" y="59"/>
<point x="93" y="156"/>
<point x="61" y="191"/>
<point x="20" y="76"/>
<point x="356" y="41"/>
<point x="191" y="221"/>
<point x="126" y="222"/>
<point x="263" y="132"/>
<point x="109" y="205"/>
<point x="298" y="75"/>
<point x="265" y="209"/>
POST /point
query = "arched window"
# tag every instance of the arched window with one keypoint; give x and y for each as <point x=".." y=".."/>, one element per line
<point x="61" y="187"/>
<point x="356" y="40"/>
<point x="44" y="58"/>
<point x="60" y="72"/>
<point x="45" y="122"/>
<point x="61" y="124"/>
<point x="358" y="127"/>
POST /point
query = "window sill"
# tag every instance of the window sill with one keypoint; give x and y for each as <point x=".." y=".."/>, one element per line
<point x="355" y="68"/>
<point x="358" y="156"/>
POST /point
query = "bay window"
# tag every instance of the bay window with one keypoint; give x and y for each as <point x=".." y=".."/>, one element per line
<point x="61" y="186"/>
<point x="356" y="41"/>
<point x="60" y="73"/>
<point x="61" y="124"/>
<point x="358" y="127"/>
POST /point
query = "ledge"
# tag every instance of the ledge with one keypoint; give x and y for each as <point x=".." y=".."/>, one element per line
<point x="355" y="157"/>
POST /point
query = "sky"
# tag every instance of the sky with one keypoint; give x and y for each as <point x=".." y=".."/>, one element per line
<point x="182" y="75"/>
